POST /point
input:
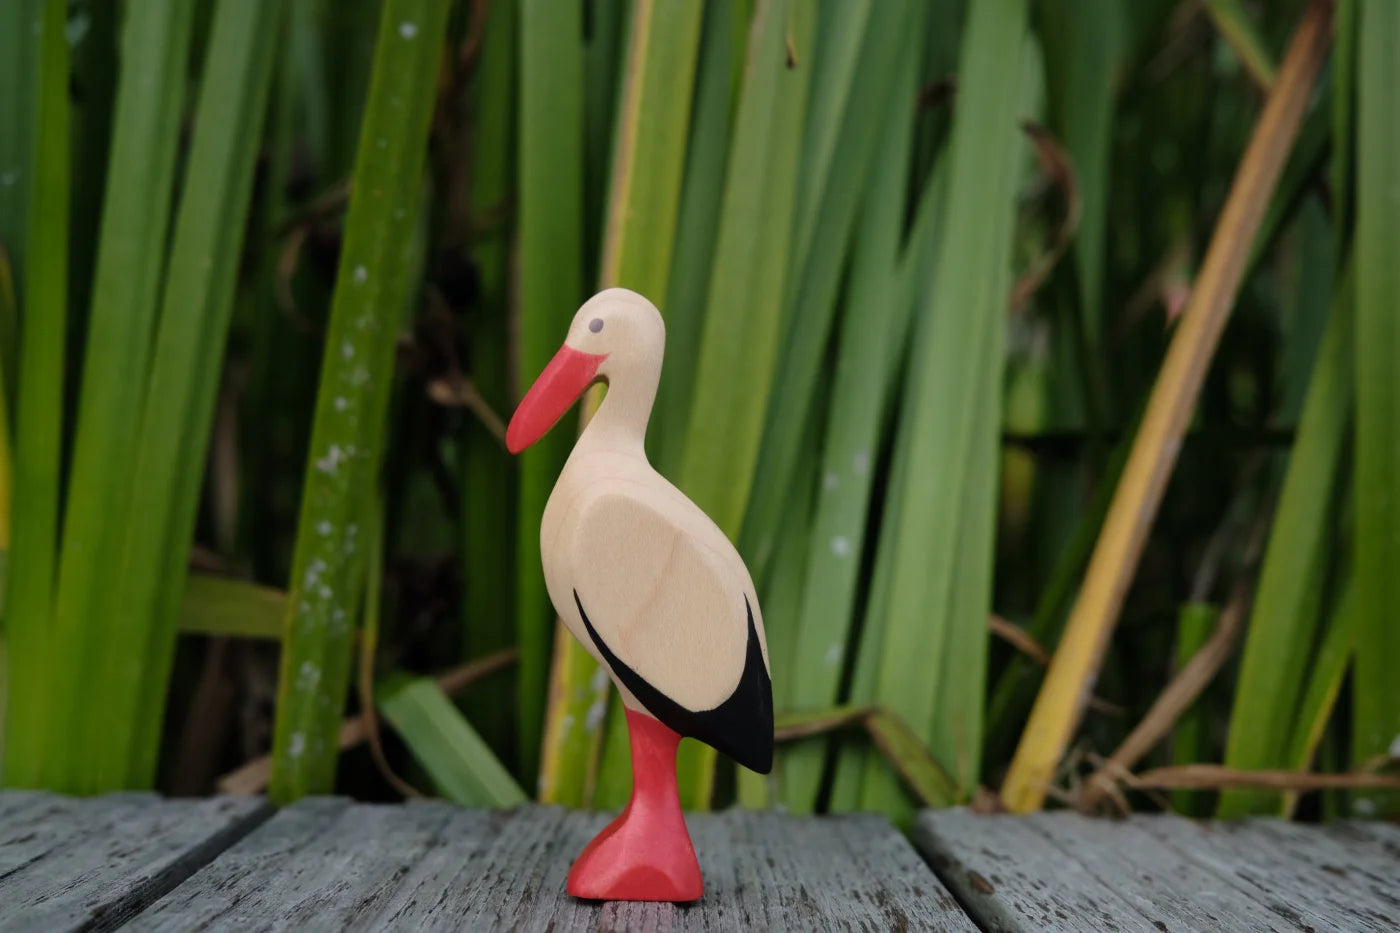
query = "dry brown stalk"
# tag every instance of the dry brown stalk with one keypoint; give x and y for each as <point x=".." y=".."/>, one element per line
<point x="1219" y="777"/>
<point x="1178" y="696"/>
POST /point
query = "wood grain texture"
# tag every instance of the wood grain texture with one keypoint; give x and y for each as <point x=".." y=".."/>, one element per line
<point x="68" y="864"/>
<point x="1285" y="875"/>
<point x="1158" y="882"/>
<point x="1063" y="871"/>
<point x="1011" y="877"/>
<point x="136" y="862"/>
<point x="1384" y="835"/>
<point x="326" y="863"/>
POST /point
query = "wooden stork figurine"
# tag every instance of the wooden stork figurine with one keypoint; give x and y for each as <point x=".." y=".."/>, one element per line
<point x="653" y="589"/>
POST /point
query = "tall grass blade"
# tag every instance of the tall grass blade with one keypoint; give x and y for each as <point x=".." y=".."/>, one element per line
<point x="842" y="31"/>
<point x="692" y="258"/>
<point x="783" y="618"/>
<point x="372" y="287"/>
<point x="1343" y="137"/>
<point x="1072" y="671"/>
<point x="1194" y="624"/>
<point x="1375" y="701"/>
<point x="19" y="92"/>
<point x="871" y="326"/>
<point x="184" y="383"/>
<point x="917" y="268"/>
<point x="130" y="263"/>
<point x="7" y="466"/>
<point x="551" y="284"/>
<point x="1240" y="32"/>
<point x="1083" y="49"/>
<point x="94" y="76"/>
<point x="487" y="473"/>
<point x="940" y="582"/>
<point x="605" y="28"/>
<point x="1283" y="624"/>
<point x="32" y="653"/>
<point x="1329" y="668"/>
<point x="739" y="343"/>
<point x="855" y="760"/>
<point x="851" y="92"/>
<point x="650" y="146"/>
<point x="643" y="197"/>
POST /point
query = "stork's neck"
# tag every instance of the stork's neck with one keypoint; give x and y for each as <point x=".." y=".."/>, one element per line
<point x="621" y="420"/>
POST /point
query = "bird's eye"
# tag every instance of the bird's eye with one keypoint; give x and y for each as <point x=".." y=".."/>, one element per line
<point x="595" y="325"/>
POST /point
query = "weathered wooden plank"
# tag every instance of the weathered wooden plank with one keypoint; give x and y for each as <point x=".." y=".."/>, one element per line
<point x="1292" y="887"/>
<point x="1386" y="836"/>
<point x="12" y="802"/>
<point x="431" y="866"/>
<point x="1353" y="861"/>
<point x="326" y="862"/>
<point x="31" y="825"/>
<point x="91" y="864"/>
<point x="1175" y="893"/>
<point x="1011" y="877"/>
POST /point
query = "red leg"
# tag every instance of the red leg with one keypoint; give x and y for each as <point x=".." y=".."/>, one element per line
<point x="645" y="854"/>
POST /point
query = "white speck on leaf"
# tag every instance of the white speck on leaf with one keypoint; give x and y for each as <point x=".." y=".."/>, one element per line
<point x="9" y="178"/>
<point x="1394" y="750"/>
<point x="830" y="481"/>
<point x="313" y="573"/>
<point x="308" y="676"/>
<point x="860" y="463"/>
<point x="359" y="377"/>
<point x="340" y="403"/>
<point x="841" y="546"/>
<point x="833" y="654"/>
<point x="296" y="745"/>
<point x="324" y="527"/>
<point x="567" y="722"/>
<point x="324" y="592"/>
<point x="347" y="350"/>
<point x="331" y="460"/>
<point x="408" y="30"/>
<point x="597" y="711"/>
<point x="600" y="680"/>
<point x="360" y="274"/>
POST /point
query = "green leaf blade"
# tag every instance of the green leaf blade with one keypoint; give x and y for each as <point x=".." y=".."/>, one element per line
<point x="1376" y="702"/>
<point x="347" y="438"/>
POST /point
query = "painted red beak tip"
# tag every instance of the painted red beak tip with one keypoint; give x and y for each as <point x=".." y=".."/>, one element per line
<point x="564" y="379"/>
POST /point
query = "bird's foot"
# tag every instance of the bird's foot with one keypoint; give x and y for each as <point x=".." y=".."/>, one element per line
<point x="639" y="860"/>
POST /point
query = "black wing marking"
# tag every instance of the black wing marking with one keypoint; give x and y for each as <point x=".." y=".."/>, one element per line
<point x="741" y="726"/>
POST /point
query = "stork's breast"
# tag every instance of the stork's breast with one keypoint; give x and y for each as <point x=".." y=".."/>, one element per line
<point x="666" y="604"/>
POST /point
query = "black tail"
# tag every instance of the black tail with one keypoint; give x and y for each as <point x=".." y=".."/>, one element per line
<point x="741" y="726"/>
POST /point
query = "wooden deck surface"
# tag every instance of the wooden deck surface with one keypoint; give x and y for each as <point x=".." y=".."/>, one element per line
<point x="140" y="863"/>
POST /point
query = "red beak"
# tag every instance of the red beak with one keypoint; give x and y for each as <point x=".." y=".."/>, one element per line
<point x="558" y="387"/>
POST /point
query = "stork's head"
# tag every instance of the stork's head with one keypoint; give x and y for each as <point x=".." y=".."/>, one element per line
<point x="616" y="334"/>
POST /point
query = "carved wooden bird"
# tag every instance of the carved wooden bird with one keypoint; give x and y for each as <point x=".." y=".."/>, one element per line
<point x="653" y="589"/>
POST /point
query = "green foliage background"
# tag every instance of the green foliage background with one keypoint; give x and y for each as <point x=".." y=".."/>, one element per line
<point x="274" y="273"/>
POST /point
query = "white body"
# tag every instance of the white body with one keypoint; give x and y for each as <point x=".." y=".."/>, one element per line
<point x="662" y="585"/>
